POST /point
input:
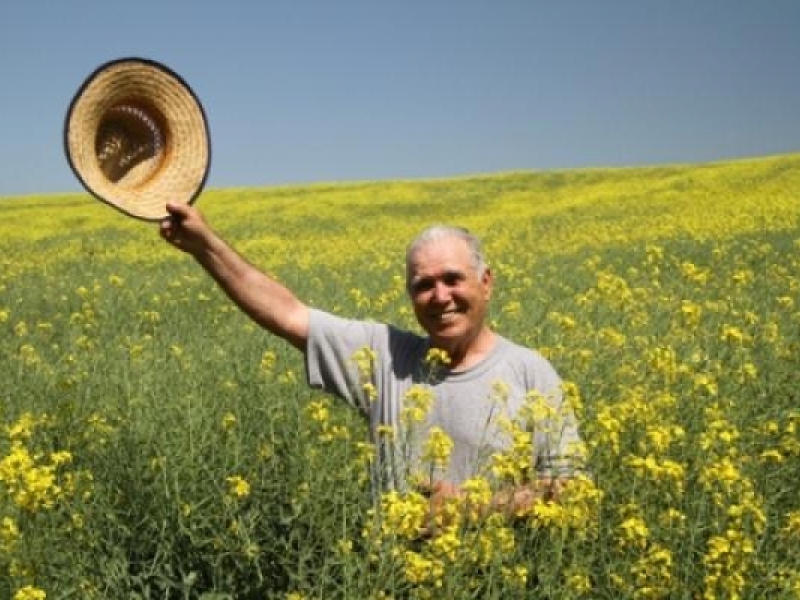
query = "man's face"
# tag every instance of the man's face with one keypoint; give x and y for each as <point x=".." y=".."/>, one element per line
<point x="449" y="296"/>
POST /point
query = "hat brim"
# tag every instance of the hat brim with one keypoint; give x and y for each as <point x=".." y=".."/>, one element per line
<point x="184" y="163"/>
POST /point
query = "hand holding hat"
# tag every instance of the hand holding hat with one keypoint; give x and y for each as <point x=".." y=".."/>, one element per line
<point x="186" y="229"/>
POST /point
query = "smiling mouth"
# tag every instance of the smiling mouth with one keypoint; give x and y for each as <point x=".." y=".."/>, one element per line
<point x="444" y="317"/>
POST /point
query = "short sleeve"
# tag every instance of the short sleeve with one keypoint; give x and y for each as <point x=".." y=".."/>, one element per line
<point x="333" y="343"/>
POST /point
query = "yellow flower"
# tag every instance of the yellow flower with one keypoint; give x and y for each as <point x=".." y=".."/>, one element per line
<point x="370" y="391"/>
<point x="706" y="384"/>
<point x="517" y="575"/>
<point x="228" y="421"/>
<point x="9" y="534"/>
<point x="634" y="532"/>
<point x="287" y="376"/>
<point x="416" y="404"/>
<point x="385" y="431"/>
<point x="657" y="470"/>
<point x="30" y="485"/>
<point x="21" y="329"/>
<point x="694" y="273"/>
<point x="61" y="457"/>
<point x="672" y="518"/>
<point x="267" y="363"/>
<point x="792" y="526"/>
<point x="157" y="463"/>
<point x="422" y="570"/>
<point x="22" y="429"/>
<point x="446" y="544"/>
<point x="365" y="359"/>
<point x="661" y="437"/>
<point x="437" y="448"/>
<point x="612" y="337"/>
<point x="772" y="455"/>
<point x="403" y="515"/>
<point x="732" y="335"/>
<point x="722" y="473"/>
<point x="562" y="320"/>
<point x="344" y="547"/>
<point x="691" y="312"/>
<point x="29" y="355"/>
<point x="318" y="411"/>
<point x="98" y="426"/>
<point x="578" y="582"/>
<point x="748" y="372"/>
<point x="609" y="429"/>
<point x="548" y="514"/>
<point x="726" y="561"/>
<point x="238" y="486"/>
<point x="500" y="391"/>
<point x="539" y="413"/>
<point x="654" y="254"/>
<point x="743" y="276"/>
<point x="30" y="593"/>
<point x="493" y="541"/>
<point x="365" y="452"/>
<point x="514" y="465"/>
<point x="477" y="492"/>
<point x="437" y="357"/>
<point x="652" y="573"/>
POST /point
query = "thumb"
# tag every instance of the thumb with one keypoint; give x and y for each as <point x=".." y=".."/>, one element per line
<point x="177" y="209"/>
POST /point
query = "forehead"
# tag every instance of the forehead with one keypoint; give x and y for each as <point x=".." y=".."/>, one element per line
<point x="440" y="255"/>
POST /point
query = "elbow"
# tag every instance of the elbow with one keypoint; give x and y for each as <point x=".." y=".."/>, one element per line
<point x="295" y="326"/>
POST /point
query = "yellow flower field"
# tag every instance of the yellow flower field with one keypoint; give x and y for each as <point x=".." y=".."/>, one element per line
<point x="155" y="444"/>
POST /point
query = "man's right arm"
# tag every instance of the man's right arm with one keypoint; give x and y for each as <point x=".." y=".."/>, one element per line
<point x="267" y="302"/>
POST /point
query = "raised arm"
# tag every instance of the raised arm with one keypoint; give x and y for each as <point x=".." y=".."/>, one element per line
<point x="263" y="299"/>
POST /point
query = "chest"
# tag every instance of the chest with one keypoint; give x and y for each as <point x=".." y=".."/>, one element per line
<point x="475" y="413"/>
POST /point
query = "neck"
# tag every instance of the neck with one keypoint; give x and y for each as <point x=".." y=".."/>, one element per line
<point x="466" y="353"/>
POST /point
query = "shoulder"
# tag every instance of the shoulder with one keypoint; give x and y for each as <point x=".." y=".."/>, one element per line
<point x="327" y="328"/>
<point x="514" y="351"/>
<point x="320" y="320"/>
<point x="529" y="363"/>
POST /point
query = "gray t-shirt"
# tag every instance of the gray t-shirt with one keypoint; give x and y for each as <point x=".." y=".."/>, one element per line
<point x="470" y="406"/>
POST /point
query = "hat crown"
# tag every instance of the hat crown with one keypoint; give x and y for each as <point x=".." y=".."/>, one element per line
<point x="128" y="137"/>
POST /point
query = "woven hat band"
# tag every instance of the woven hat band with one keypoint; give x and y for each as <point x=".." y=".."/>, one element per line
<point x="130" y="144"/>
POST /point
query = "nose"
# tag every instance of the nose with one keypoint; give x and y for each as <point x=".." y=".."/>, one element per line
<point x="441" y="293"/>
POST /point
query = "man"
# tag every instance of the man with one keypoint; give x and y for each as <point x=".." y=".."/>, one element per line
<point x="477" y="379"/>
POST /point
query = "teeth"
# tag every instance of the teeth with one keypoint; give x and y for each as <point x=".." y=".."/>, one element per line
<point x="446" y="316"/>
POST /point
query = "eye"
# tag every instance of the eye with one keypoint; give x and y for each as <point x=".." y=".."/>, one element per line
<point x="452" y="278"/>
<point x="422" y="285"/>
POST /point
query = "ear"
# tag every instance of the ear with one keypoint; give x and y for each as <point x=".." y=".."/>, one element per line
<point x="488" y="282"/>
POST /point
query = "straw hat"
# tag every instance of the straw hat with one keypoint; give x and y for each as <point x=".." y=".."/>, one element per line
<point x="136" y="137"/>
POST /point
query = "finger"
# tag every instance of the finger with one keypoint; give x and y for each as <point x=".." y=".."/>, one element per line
<point x="178" y="211"/>
<point x="445" y="489"/>
<point x="168" y="228"/>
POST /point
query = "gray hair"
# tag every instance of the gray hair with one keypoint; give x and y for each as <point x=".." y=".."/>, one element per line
<point x="439" y="232"/>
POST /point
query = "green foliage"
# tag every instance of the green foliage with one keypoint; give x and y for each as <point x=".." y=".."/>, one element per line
<point x="155" y="444"/>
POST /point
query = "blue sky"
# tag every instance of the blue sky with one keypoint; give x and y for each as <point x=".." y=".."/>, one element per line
<point x="301" y="91"/>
